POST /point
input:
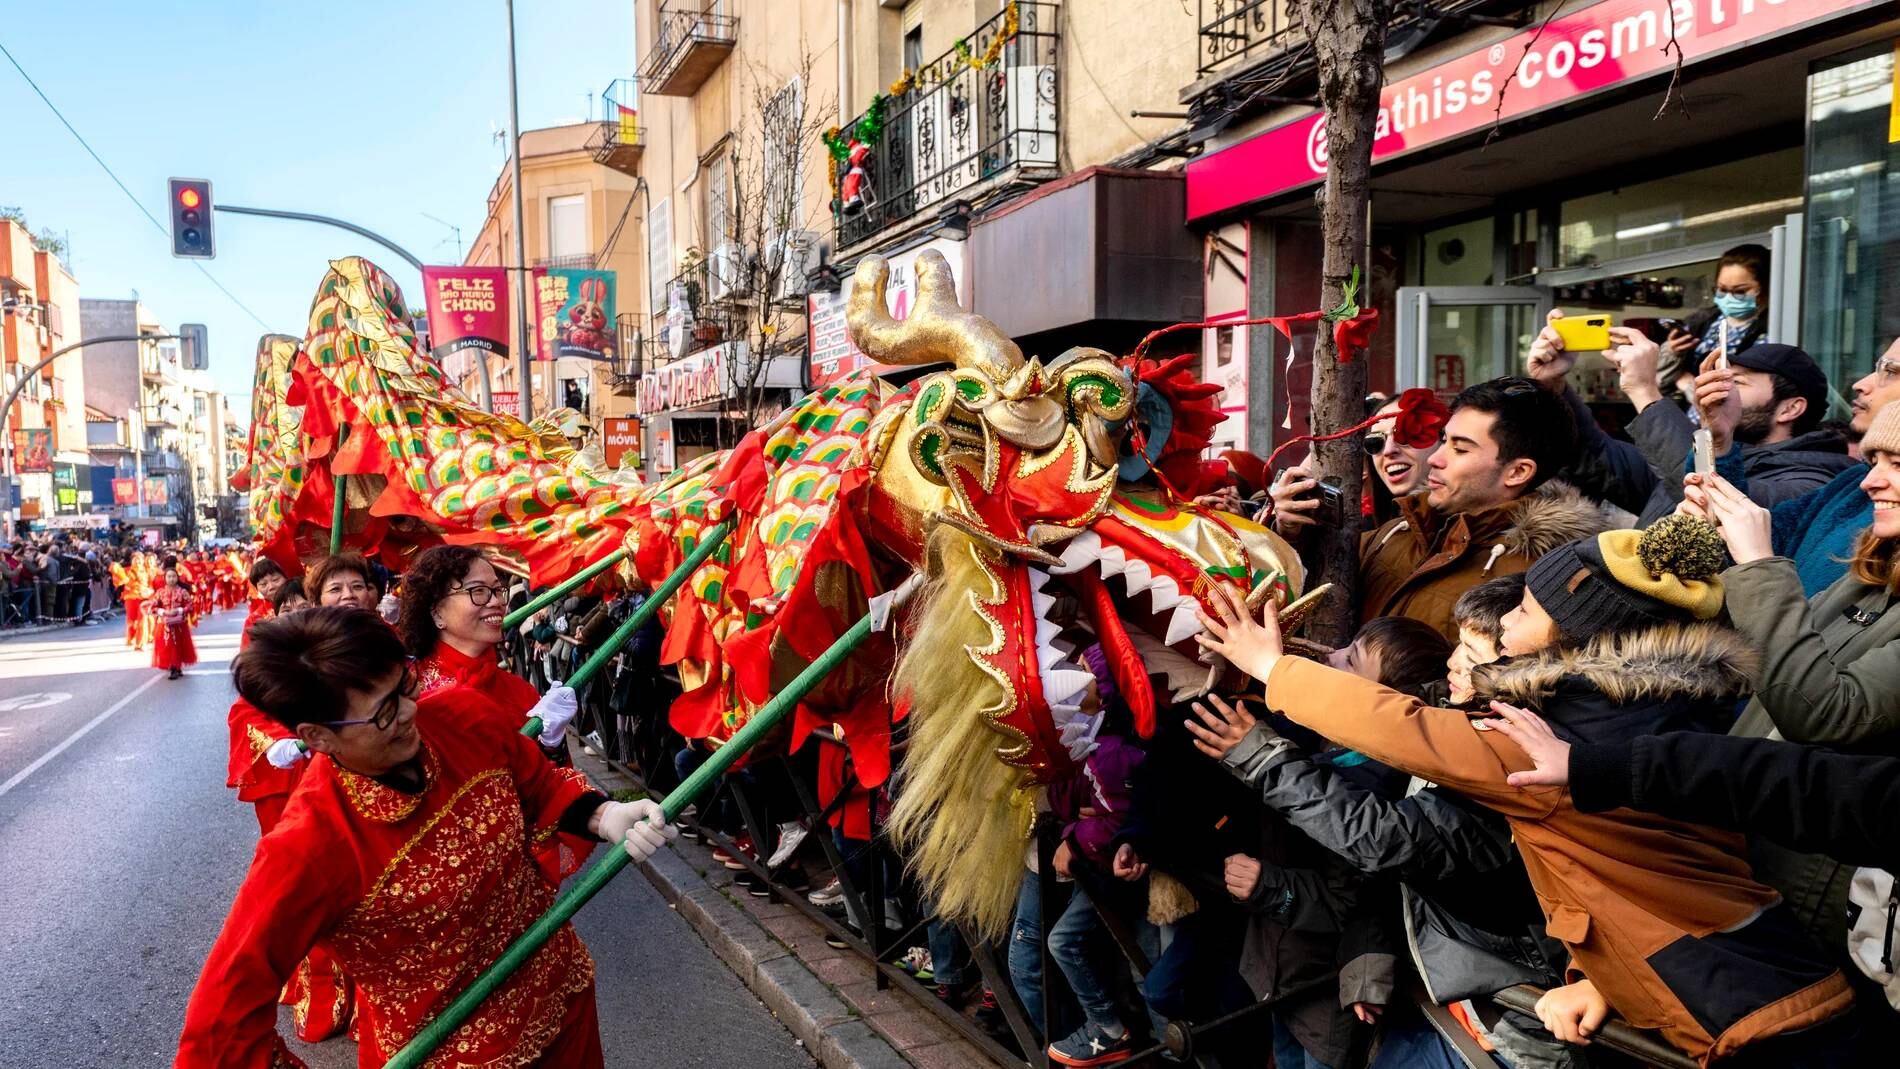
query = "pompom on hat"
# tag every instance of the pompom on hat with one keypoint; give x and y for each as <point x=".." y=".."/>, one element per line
<point x="1623" y="580"/>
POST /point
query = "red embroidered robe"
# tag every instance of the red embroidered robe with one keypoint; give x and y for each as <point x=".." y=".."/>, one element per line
<point x="415" y="895"/>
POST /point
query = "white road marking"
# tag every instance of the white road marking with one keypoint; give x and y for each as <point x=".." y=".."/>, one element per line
<point x="21" y="775"/>
<point x="37" y="700"/>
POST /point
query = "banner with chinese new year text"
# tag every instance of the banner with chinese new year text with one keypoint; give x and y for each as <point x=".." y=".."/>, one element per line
<point x="575" y="313"/>
<point x="468" y="309"/>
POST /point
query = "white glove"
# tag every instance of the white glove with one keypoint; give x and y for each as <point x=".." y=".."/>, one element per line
<point x="555" y="709"/>
<point x="285" y="753"/>
<point x="636" y="826"/>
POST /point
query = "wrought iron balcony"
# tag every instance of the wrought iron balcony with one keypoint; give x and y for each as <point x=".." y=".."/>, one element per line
<point x="632" y="361"/>
<point x="983" y="110"/>
<point x="617" y="140"/>
<point x="1250" y="35"/>
<point x="583" y="260"/>
<point x="690" y="40"/>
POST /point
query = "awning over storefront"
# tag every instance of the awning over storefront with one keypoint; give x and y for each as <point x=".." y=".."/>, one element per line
<point x="1610" y="45"/>
<point x="1099" y="245"/>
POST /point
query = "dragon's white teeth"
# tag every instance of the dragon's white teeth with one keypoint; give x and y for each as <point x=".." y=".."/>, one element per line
<point x="1112" y="560"/>
<point x="1183" y="625"/>
<point x="1064" y="684"/>
<point x="1164" y="592"/>
<point x="1080" y="553"/>
<point x="1137" y="575"/>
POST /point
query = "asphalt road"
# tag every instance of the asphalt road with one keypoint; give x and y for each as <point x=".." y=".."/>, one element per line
<point x="120" y="850"/>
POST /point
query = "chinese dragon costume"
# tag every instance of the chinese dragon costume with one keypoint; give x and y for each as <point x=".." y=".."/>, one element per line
<point x="1039" y="501"/>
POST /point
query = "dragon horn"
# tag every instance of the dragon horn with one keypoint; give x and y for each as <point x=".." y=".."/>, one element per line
<point x="937" y="327"/>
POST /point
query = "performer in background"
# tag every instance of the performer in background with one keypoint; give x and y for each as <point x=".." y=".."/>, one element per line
<point x="400" y="794"/>
<point x="171" y="605"/>
<point x="125" y="580"/>
<point x="266" y="579"/>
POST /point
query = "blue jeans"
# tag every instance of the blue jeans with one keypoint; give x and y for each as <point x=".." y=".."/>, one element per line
<point x="949" y="955"/>
<point x="1287" y="1052"/>
<point x="1025" y="949"/>
<point x="1073" y="943"/>
<point x="1198" y="976"/>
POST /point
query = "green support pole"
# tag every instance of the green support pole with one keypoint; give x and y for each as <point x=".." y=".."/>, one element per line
<point x="601" y="872"/>
<point x="342" y="483"/>
<point x="549" y="597"/>
<point x="668" y="586"/>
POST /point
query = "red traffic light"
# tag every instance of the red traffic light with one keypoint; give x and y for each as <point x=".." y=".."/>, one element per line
<point x="191" y="218"/>
<point x="189" y="197"/>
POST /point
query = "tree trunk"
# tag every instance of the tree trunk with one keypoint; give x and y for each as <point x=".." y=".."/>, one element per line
<point x="1348" y="45"/>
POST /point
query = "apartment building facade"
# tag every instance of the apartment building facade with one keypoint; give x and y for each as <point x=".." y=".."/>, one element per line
<point x="578" y="212"/>
<point x="998" y="134"/>
<point x="46" y="430"/>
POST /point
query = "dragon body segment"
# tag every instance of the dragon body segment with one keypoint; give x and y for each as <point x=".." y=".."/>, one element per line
<point x="1029" y="495"/>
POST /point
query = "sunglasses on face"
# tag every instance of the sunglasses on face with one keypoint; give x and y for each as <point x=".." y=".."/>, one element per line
<point x="391" y="707"/>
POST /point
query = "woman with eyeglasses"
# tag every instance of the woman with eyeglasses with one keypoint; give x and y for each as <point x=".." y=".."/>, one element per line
<point x="1401" y="471"/>
<point x="341" y="579"/>
<point x="404" y="852"/>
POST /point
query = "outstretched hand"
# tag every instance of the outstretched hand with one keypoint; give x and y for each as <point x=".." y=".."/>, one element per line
<point x="1747" y="528"/>
<point x="1221" y="728"/>
<point x="1550" y="755"/>
<point x="1249" y="644"/>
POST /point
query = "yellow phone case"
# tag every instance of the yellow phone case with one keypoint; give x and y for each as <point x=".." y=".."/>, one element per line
<point x="1589" y="333"/>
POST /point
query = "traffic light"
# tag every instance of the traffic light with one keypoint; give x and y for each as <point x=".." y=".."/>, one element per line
<point x="194" y="352"/>
<point x="191" y="219"/>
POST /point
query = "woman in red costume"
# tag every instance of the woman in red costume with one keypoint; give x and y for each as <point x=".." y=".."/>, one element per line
<point x="453" y="602"/>
<point x="137" y="592"/>
<point x="400" y="796"/>
<point x="341" y="580"/>
<point x="172" y="605"/>
<point x="122" y="581"/>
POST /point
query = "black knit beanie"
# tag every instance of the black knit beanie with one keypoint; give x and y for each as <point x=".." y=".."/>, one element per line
<point x="1624" y="580"/>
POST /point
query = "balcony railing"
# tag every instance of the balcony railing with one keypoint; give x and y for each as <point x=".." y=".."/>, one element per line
<point x="618" y="140"/>
<point x="1240" y="35"/>
<point x="632" y="361"/>
<point x="583" y="260"/>
<point x="961" y="124"/>
<point x="690" y="41"/>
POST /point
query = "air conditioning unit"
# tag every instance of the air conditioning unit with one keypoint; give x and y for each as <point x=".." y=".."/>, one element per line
<point x="794" y="255"/>
<point x="725" y="271"/>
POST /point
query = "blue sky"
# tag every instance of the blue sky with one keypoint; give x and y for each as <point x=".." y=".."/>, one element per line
<point x="373" y="112"/>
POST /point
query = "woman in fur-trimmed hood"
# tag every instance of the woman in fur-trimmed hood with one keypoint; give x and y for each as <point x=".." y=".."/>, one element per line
<point x="1664" y="923"/>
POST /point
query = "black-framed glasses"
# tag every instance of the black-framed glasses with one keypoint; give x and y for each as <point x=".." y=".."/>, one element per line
<point x="391" y="706"/>
<point x="479" y="594"/>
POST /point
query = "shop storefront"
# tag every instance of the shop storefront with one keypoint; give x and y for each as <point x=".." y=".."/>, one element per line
<point x="1520" y="170"/>
<point x="695" y="405"/>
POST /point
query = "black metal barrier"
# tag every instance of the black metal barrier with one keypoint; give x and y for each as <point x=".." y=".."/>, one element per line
<point x="615" y="721"/>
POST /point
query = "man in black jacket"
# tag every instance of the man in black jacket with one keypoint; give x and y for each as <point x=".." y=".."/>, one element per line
<point x="1784" y="396"/>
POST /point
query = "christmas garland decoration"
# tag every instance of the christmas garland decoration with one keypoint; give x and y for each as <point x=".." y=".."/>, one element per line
<point x="870" y="125"/>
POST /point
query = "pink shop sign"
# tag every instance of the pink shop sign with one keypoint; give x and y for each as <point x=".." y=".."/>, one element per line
<point x="1601" y="46"/>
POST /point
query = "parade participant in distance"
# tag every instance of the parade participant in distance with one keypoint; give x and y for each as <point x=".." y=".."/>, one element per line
<point x="341" y="579"/>
<point x="398" y="797"/>
<point x="266" y="578"/>
<point x="130" y="597"/>
<point x="172" y="605"/>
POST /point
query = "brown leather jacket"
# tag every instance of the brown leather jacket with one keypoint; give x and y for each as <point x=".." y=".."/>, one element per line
<point x="1418" y="564"/>
<point x="1663" y="916"/>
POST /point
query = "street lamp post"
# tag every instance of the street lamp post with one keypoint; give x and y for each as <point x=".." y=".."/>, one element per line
<point x="526" y="357"/>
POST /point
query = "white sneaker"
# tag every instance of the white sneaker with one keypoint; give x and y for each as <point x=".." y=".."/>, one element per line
<point x="830" y="896"/>
<point x="790" y="835"/>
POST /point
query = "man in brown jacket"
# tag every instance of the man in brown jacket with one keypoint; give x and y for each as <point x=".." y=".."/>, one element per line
<point x="1490" y="507"/>
<point x="1662" y="918"/>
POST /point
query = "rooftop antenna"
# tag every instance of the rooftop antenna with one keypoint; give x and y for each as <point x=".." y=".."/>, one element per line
<point x="445" y="241"/>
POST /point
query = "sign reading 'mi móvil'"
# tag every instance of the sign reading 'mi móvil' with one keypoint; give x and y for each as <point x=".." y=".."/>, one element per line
<point x="1577" y="54"/>
<point x="468" y="308"/>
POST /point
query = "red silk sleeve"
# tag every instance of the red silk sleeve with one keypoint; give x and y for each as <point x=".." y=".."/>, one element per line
<point x="291" y="896"/>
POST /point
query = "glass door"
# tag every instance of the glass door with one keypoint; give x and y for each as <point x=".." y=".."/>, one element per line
<point x="1453" y="336"/>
